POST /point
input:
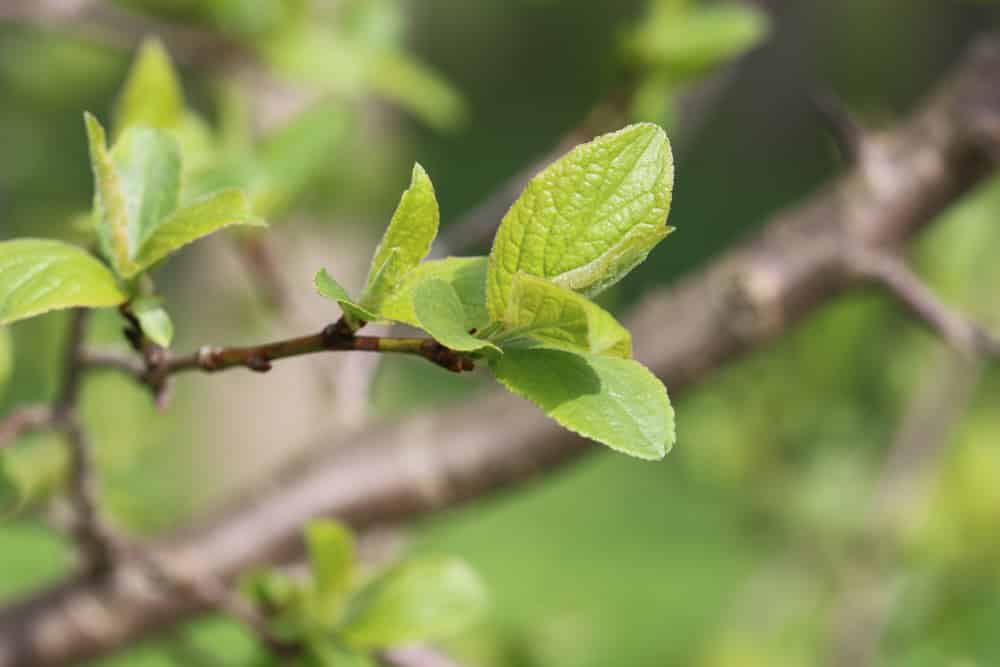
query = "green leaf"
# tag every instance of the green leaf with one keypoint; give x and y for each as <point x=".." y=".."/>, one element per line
<point x="466" y="275"/>
<point x="616" y="402"/>
<point x="406" y="242"/>
<point x="589" y="218"/>
<point x="441" y="314"/>
<point x="409" y="83"/>
<point x="137" y="186"/>
<point x="689" y="42"/>
<point x="561" y="317"/>
<point x="422" y="600"/>
<point x="194" y="221"/>
<point x="331" y="289"/>
<point x="152" y="95"/>
<point x="39" y="275"/>
<point x="154" y="320"/>
<point x="332" y="556"/>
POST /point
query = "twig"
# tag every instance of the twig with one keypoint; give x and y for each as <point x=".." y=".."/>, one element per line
<point x="22" y="421"/>
<point x="862" y="610"/>
<point x="92" y="535"/>
<point x="743" y="300"/>
<point x="891" y="272"/>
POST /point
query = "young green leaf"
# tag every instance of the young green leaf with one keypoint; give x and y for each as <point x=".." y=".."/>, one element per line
<point x="39" y="275"/>
<point x="331" y="289"/>
<point x="332" y="556"/>
<point x="152" y="95"/>
<point x="466" y="275"/>
<point x="562" y="318"/>
<point x="421" y="600"/>
<point x="440" y="313"/>
<point x="406" y="242"/>
<point x="688" y="42"/>
<point x="616" y="402"/>
<point x="589" y="218"/>
<point x="137" y="185"/>
<point x="194" y="221"/>
<point x="153" y="320"/>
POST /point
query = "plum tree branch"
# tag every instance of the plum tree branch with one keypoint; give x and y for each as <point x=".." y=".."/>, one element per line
<point x="743" y="300"/>
<point x="892" y="273"/>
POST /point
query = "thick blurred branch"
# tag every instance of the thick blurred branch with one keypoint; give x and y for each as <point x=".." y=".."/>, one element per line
<point x="892" y="272"/>
<point x="108" y="24"/>
<point x="745" y="299"/>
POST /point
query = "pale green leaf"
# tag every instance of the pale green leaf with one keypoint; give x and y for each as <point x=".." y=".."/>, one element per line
<point x="406" y="242"/>
<point x="412" y="85"/>
<point x="137" y="186"/>
<point x="39" y="275"/>
<point x="327" y="286"/>
<point x="561" y="317"/>
<point x="332" y="557"/>
<point x="689" y="42"/>
<point x="110" y="209"/>
<point x="466" y="275"/>
<point x="616" y="402"/>
<point x="194" y="221"/>
<point x="152" y="95"/>
<point x="441" y="314"/>
<point x="589" y="218"/>
<point x="153" y="320"/>
<point x="421" y="600"/>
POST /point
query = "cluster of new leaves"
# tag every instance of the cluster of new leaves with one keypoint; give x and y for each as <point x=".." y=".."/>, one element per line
<point x="681" y="41"/>
<point x="146" y="207"/>
<point x="353" y="49"/>
<point x="339" y="616"/>
<point x="578" y="228"/>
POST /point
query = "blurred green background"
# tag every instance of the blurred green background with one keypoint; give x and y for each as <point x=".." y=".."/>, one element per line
<point x="772" y="534"/>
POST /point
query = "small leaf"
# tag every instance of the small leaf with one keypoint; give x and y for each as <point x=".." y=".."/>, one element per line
<point x="589" y="218"/>
<point x="406" y="242"/>
<point x="152" y="95"/>
<point x="422" y="600"/>
<point x="440" y="313"/>
<point x="31" y="472"/>
<point x="412" y="85"/>
<point x="331" y="289"/>
<point x="466" y="275"/>
<point x="39" y="275"/>
<point x="332" y="556"/>
<point x="154" y="320"/>
<point x="137" y="186"/>
<point x="194" y="221"/>
<point x="690" y="42"/>
<point x="616" y="402"/>
<point x="562" y="318"/>
<point x="110" y="208"/>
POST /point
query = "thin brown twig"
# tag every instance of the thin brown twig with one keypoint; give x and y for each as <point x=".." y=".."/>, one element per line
<point x="23" y="421"/>
<point x="893" y="273"/>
